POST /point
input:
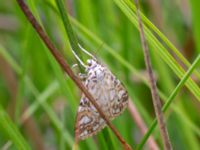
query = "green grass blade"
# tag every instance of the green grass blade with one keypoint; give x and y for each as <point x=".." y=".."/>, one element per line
<point x="10" y="129"/>
<point x="10" y="60"/>
<point x="170" y="99"/>
<point x="163" y="37"/>
<point x="44" y="96"/>
<point x="68" y="138"/>
<point x="160" y="49"/>
<point x="196" y="22"/>
<point x="95" y="40"/>
<point x="72" y="37"/>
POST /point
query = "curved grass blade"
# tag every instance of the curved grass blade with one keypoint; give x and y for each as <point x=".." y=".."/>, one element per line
<point x="160" y="49"/>
<point x="10" y="129"/>
<point x="68" y="28"/>
<point x="163" y="37"/>
<point x="68" y="138"/>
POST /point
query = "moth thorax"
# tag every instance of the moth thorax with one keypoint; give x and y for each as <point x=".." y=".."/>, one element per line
<point x="91" y="64"/>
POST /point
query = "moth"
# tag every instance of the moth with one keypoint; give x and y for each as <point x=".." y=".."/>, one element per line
<point x="109" y="93"/>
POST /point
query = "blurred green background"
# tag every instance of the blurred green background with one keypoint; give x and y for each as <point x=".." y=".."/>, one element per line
<point x="38" y="101"/>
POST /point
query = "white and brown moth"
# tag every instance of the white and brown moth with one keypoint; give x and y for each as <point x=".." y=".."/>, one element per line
<point x="109" y="94"/>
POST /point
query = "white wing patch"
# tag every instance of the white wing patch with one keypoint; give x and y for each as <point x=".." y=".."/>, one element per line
<point x="108" y="92"/>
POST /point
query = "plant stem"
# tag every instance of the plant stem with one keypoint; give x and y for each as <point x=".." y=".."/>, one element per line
<point x="67" y="68"/>
<point x="68" y="28"/>
<point x="170" y="99"/>
<point x="155" y="96"/>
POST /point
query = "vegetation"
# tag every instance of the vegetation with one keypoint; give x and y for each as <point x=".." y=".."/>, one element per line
<point x="38" y="101"/>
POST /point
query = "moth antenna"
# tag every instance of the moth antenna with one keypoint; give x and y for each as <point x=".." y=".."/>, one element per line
<point x="79" y="60"/>
<point x="86" y="52"/>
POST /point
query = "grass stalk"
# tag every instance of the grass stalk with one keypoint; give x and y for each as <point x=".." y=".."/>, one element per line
<point x="9" y="128"/>
<point x="68" y="28"/>
<point x="153" y="87"/>
<point x="170" y="99"/>
<point x="67" y="68"/>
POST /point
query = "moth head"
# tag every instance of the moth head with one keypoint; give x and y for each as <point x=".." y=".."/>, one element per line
<point x="91" y="62"/>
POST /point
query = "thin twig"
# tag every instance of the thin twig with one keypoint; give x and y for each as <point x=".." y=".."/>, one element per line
<point x="155" y="97"/>
<point x="141" y="125"/>
<point x="67" y="68"/>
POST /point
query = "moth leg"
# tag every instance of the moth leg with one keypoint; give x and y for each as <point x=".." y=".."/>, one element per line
<point x="74" y="66"/>
<point x="75" y="70"/>
<point x="82" y="76"/>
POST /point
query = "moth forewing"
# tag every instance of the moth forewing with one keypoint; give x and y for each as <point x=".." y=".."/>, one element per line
<point x="109" y="94"/>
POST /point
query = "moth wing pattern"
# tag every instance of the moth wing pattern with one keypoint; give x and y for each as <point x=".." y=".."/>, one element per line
<point x="88" y="120"/>
<point x="109" y="94"/>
